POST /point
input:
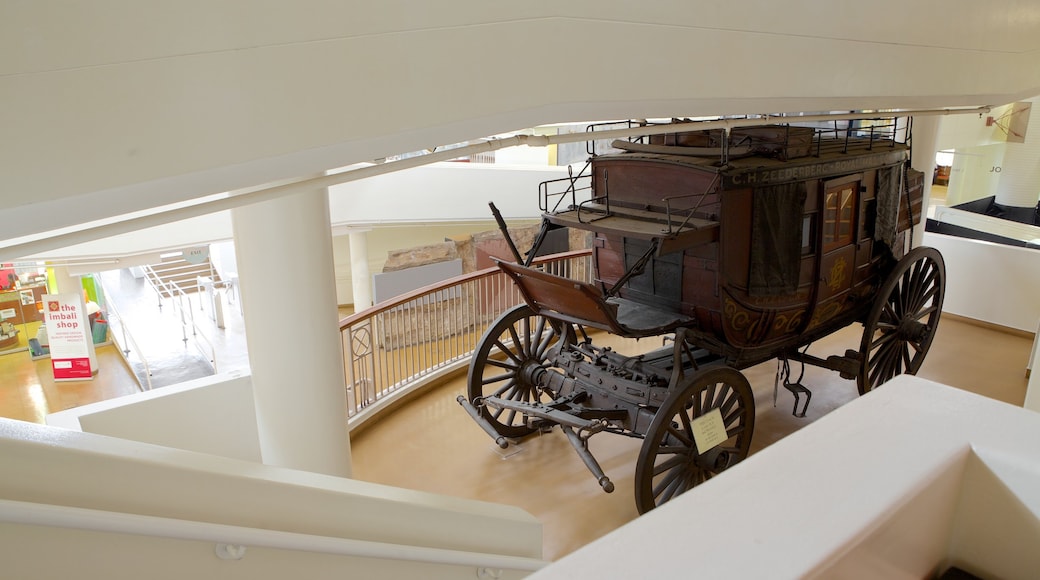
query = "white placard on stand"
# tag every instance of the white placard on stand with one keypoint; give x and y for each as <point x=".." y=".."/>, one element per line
<point x="71" y="342"/>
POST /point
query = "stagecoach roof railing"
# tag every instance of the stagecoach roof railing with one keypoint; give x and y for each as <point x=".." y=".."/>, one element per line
<point x="878" y="128"/>
<point x="572" y="188"/>
<point x="869" y="126"/>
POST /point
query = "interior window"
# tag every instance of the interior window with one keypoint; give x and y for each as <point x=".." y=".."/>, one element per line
<point x="839" y="204"/>
<point x="807" y="235"/>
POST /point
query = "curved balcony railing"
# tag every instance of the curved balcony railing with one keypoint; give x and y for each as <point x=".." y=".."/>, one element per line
<point x="397" y="346"/>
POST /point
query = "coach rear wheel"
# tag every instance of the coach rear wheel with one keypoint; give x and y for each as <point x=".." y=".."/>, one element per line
<point x="899" y="330"/>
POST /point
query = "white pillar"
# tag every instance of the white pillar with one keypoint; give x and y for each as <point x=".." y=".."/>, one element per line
<point x="1033" y="387"/>
<point x="360" y="277"/>
<point x="288" y="290"/>
<point x="1019" y="184"/>
<point x="922" y="158"/>
<point x="64" y="282"/>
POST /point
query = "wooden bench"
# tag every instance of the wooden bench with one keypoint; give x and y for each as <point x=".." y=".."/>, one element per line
<point x="582" y="303"/>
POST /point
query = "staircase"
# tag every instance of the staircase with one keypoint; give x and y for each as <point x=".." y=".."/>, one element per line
<point x="177" y="272"/>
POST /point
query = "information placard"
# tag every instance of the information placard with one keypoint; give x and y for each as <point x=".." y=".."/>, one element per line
<point x="709" y="431"/>
<point x="71" y="342"/>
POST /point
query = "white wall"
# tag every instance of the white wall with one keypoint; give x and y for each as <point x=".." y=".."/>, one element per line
<point x="214" y="415"/>
<point x="940" y="476"/>
<point x="959" y="131"/>
<point x="972" y="175"/>
<point x="30" y="552"/>
<point x="441" y="192"/>
<point x="50" y="466"/>
<point x="990" y="282"/>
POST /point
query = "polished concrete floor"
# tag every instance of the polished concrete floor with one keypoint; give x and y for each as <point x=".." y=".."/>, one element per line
<point x="431" y="444"/>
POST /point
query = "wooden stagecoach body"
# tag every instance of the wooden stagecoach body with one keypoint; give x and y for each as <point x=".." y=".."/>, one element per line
<point x="749" y="312"/>
<point x="741" y="247"/>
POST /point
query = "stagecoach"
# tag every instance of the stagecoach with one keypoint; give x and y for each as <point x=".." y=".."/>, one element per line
<point x="736" y="246"/>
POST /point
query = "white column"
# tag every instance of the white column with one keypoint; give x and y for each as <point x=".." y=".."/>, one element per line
<point x="922" y="158"/>
<point x="288" y="290"/>
<point x="65" y="282"/>
<point x="360" y="277"/>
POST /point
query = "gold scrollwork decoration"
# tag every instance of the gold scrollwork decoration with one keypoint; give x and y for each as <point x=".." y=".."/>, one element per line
<point x="837" y="275"/>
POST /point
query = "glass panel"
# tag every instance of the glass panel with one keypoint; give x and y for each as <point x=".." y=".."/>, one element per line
<point x="839" y="216"/>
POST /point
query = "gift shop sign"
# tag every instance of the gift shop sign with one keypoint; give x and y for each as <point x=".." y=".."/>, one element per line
<point x="72" y="344"/>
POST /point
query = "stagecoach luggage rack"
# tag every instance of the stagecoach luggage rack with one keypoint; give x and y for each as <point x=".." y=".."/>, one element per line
<point x="673" y="229"/>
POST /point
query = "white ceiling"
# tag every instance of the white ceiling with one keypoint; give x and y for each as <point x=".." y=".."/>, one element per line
<point x="112" y="107"/>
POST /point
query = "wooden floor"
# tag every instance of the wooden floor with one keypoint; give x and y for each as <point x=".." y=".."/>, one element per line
<point x="431" y="444"/>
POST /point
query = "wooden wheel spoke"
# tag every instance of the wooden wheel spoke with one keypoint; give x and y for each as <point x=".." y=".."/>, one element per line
<point x="497" y="415"/>
<point x="732" y="398"/>
<point x="667" y="487"/>
<point x="915" y="278"/>
<point x="679" y="450"/>
<point x="728" y="421"/>
<point x="682" y="436"/>
<point x="928" y="289"/>
<point x="894" y="359"/>
<point x="509" y="387"/>
<point x="695" y="410"/>
<point x="525" y="326"/>
<point x="889" y="315"/>
<point x="502" y="364"/>
<point x="709" y="399"/>
<point x="882" y="340"/>
<point x="502" y="377"/>
<point x="920" y="310"/>
<point x="544" y="344"/>
<point x="919" y="294"/>
<point x="900" y="292"/>
<point x="502" y="347"/>
<point x="883" y="364"/>
<point x="668" y="464"/>
<point x="539" y="338"/>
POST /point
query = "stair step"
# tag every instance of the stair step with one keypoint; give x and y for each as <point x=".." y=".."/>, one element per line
<point x="182" y="273"/>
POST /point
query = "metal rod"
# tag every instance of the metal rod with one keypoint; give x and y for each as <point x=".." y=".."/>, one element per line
<point x="250" y="196"/>
<point x="505" y="233"/>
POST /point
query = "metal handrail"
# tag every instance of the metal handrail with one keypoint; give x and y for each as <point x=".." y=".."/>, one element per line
<point x="173" y="290"/>
<point x="401" y="344"/>
<point x="128" y="338"/>
<point x="130" y="342"/>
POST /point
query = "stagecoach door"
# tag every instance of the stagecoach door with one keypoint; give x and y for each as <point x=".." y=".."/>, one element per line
<point x="839" y="199"/>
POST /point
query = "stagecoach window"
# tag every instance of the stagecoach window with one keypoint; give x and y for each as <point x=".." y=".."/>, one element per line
<point x="838" y="215"/>
<point x="807" y="236"/>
